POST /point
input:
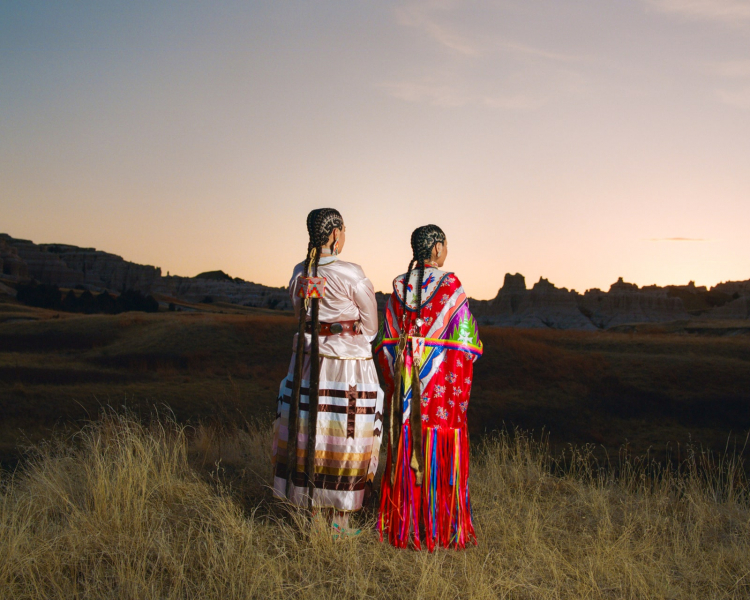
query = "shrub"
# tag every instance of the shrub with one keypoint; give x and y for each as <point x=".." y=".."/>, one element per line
<point x="106" y="303"/>
<point x="40" y="295"/>
<point x="134" y="300"/>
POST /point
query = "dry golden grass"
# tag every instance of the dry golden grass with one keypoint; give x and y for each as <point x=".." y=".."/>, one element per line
<point x="126" y="511"/>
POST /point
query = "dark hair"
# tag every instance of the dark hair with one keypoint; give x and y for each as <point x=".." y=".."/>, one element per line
<point x="423" y="240"/>
<point x="320" y="225"/>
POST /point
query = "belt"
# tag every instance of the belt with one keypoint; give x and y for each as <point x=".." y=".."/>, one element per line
<point x="338" y="328"/>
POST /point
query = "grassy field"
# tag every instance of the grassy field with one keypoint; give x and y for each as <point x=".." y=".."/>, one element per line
<point x="172" y="500"/>
<point x="132" y="512"/>
<point x="653" y="390"/>
<point x="58" y="369"/>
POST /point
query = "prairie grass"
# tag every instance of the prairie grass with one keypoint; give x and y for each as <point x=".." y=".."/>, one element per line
<point x="122" y="510"/>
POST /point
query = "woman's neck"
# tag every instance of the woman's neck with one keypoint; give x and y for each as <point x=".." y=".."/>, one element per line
<point x="327" y="259"/>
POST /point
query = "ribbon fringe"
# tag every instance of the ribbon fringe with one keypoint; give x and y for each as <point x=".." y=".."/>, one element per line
<point x="439" y="510"/>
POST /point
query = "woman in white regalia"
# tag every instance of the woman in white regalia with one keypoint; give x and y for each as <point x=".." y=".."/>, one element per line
<point x="334" y="386"/>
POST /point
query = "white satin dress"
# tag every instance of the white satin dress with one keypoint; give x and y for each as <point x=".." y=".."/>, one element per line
<point x="349" y="422"/>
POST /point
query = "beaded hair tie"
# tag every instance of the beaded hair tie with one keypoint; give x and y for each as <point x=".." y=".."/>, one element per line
<point x="312" y="287"/>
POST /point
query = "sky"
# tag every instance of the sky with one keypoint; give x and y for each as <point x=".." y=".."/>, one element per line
<point x="580" y="141"/>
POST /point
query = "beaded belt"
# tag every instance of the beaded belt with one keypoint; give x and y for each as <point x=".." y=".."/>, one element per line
<point x="338" y="328"/>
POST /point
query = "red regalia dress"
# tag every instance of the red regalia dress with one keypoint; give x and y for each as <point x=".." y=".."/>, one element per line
<point x="439" y="508"/>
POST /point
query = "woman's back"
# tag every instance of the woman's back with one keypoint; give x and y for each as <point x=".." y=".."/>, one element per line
<point x="427" y="351"/>
<point x="327" y="431"/>
<point x="349" y="296"/>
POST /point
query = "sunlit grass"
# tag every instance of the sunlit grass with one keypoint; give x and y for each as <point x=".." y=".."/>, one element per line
<point x="122" y="510"/>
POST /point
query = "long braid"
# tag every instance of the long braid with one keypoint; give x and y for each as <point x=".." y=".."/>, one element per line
<point x="415" y="416"/>
<point x="406" y="279"/>
<point x="293" y="418"/>
<point x="320" y="224"/>
<point x="423" y="241"/>
<point x="420" y="281"/>
<point x="314" y="396"/>
<point x="396" y="411"/>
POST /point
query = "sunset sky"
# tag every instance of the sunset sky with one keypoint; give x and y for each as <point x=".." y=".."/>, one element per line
<point x="579" y="140"/>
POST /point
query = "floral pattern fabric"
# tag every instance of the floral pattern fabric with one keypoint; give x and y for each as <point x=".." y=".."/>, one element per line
<point x="438" y="510"/>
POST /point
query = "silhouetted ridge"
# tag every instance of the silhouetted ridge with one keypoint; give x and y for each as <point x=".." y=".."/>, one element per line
<point x="217" y="276"/>
<point x="544" y="305"/>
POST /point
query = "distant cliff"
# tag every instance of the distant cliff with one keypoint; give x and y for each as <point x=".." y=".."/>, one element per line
<point x="73" y="267"/>
<point x="12" y="265"/>
<point x="544" y="305"/>
<point x="234" y="291"/>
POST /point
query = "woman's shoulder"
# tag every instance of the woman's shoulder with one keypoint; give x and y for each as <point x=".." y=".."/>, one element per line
<point x="450" y="279"/>
<point x="433" y="279"/>
<point x="337" y="269"/>
<point x="346" y="269"/>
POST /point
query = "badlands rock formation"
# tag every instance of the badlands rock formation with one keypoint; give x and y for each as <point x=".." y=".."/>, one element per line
<point x="542" y="306"/>
<point x="70" y="266"/>
<point x="627" y="303"/>
<point x="741" y="288"/>
<point x="545" y="305"/>
<point x="40" y="265"/>
<point x="102" y="270"/>
<point x="736" y="309"/>
<point x="197" y="289"/>
<point x="12" y="266"/>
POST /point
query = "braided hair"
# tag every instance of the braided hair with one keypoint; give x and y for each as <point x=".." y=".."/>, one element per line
<point x="423" y="240"/>
<point x="320" y="225"/>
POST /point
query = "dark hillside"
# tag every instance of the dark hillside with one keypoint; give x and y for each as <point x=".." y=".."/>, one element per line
<point x="645" y="389"/>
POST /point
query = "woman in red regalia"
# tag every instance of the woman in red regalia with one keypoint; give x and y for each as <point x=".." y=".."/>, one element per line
<point x="427" y="349"/>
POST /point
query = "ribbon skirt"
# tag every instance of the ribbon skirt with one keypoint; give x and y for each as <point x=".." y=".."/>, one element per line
<point x="347" y="444"/>
<point x="438" y="511"/>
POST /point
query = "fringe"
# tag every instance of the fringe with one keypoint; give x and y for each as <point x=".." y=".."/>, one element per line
<point x="438" y="511"/>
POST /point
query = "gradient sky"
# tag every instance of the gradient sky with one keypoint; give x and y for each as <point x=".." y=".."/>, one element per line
<point x="580" y="140"/>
